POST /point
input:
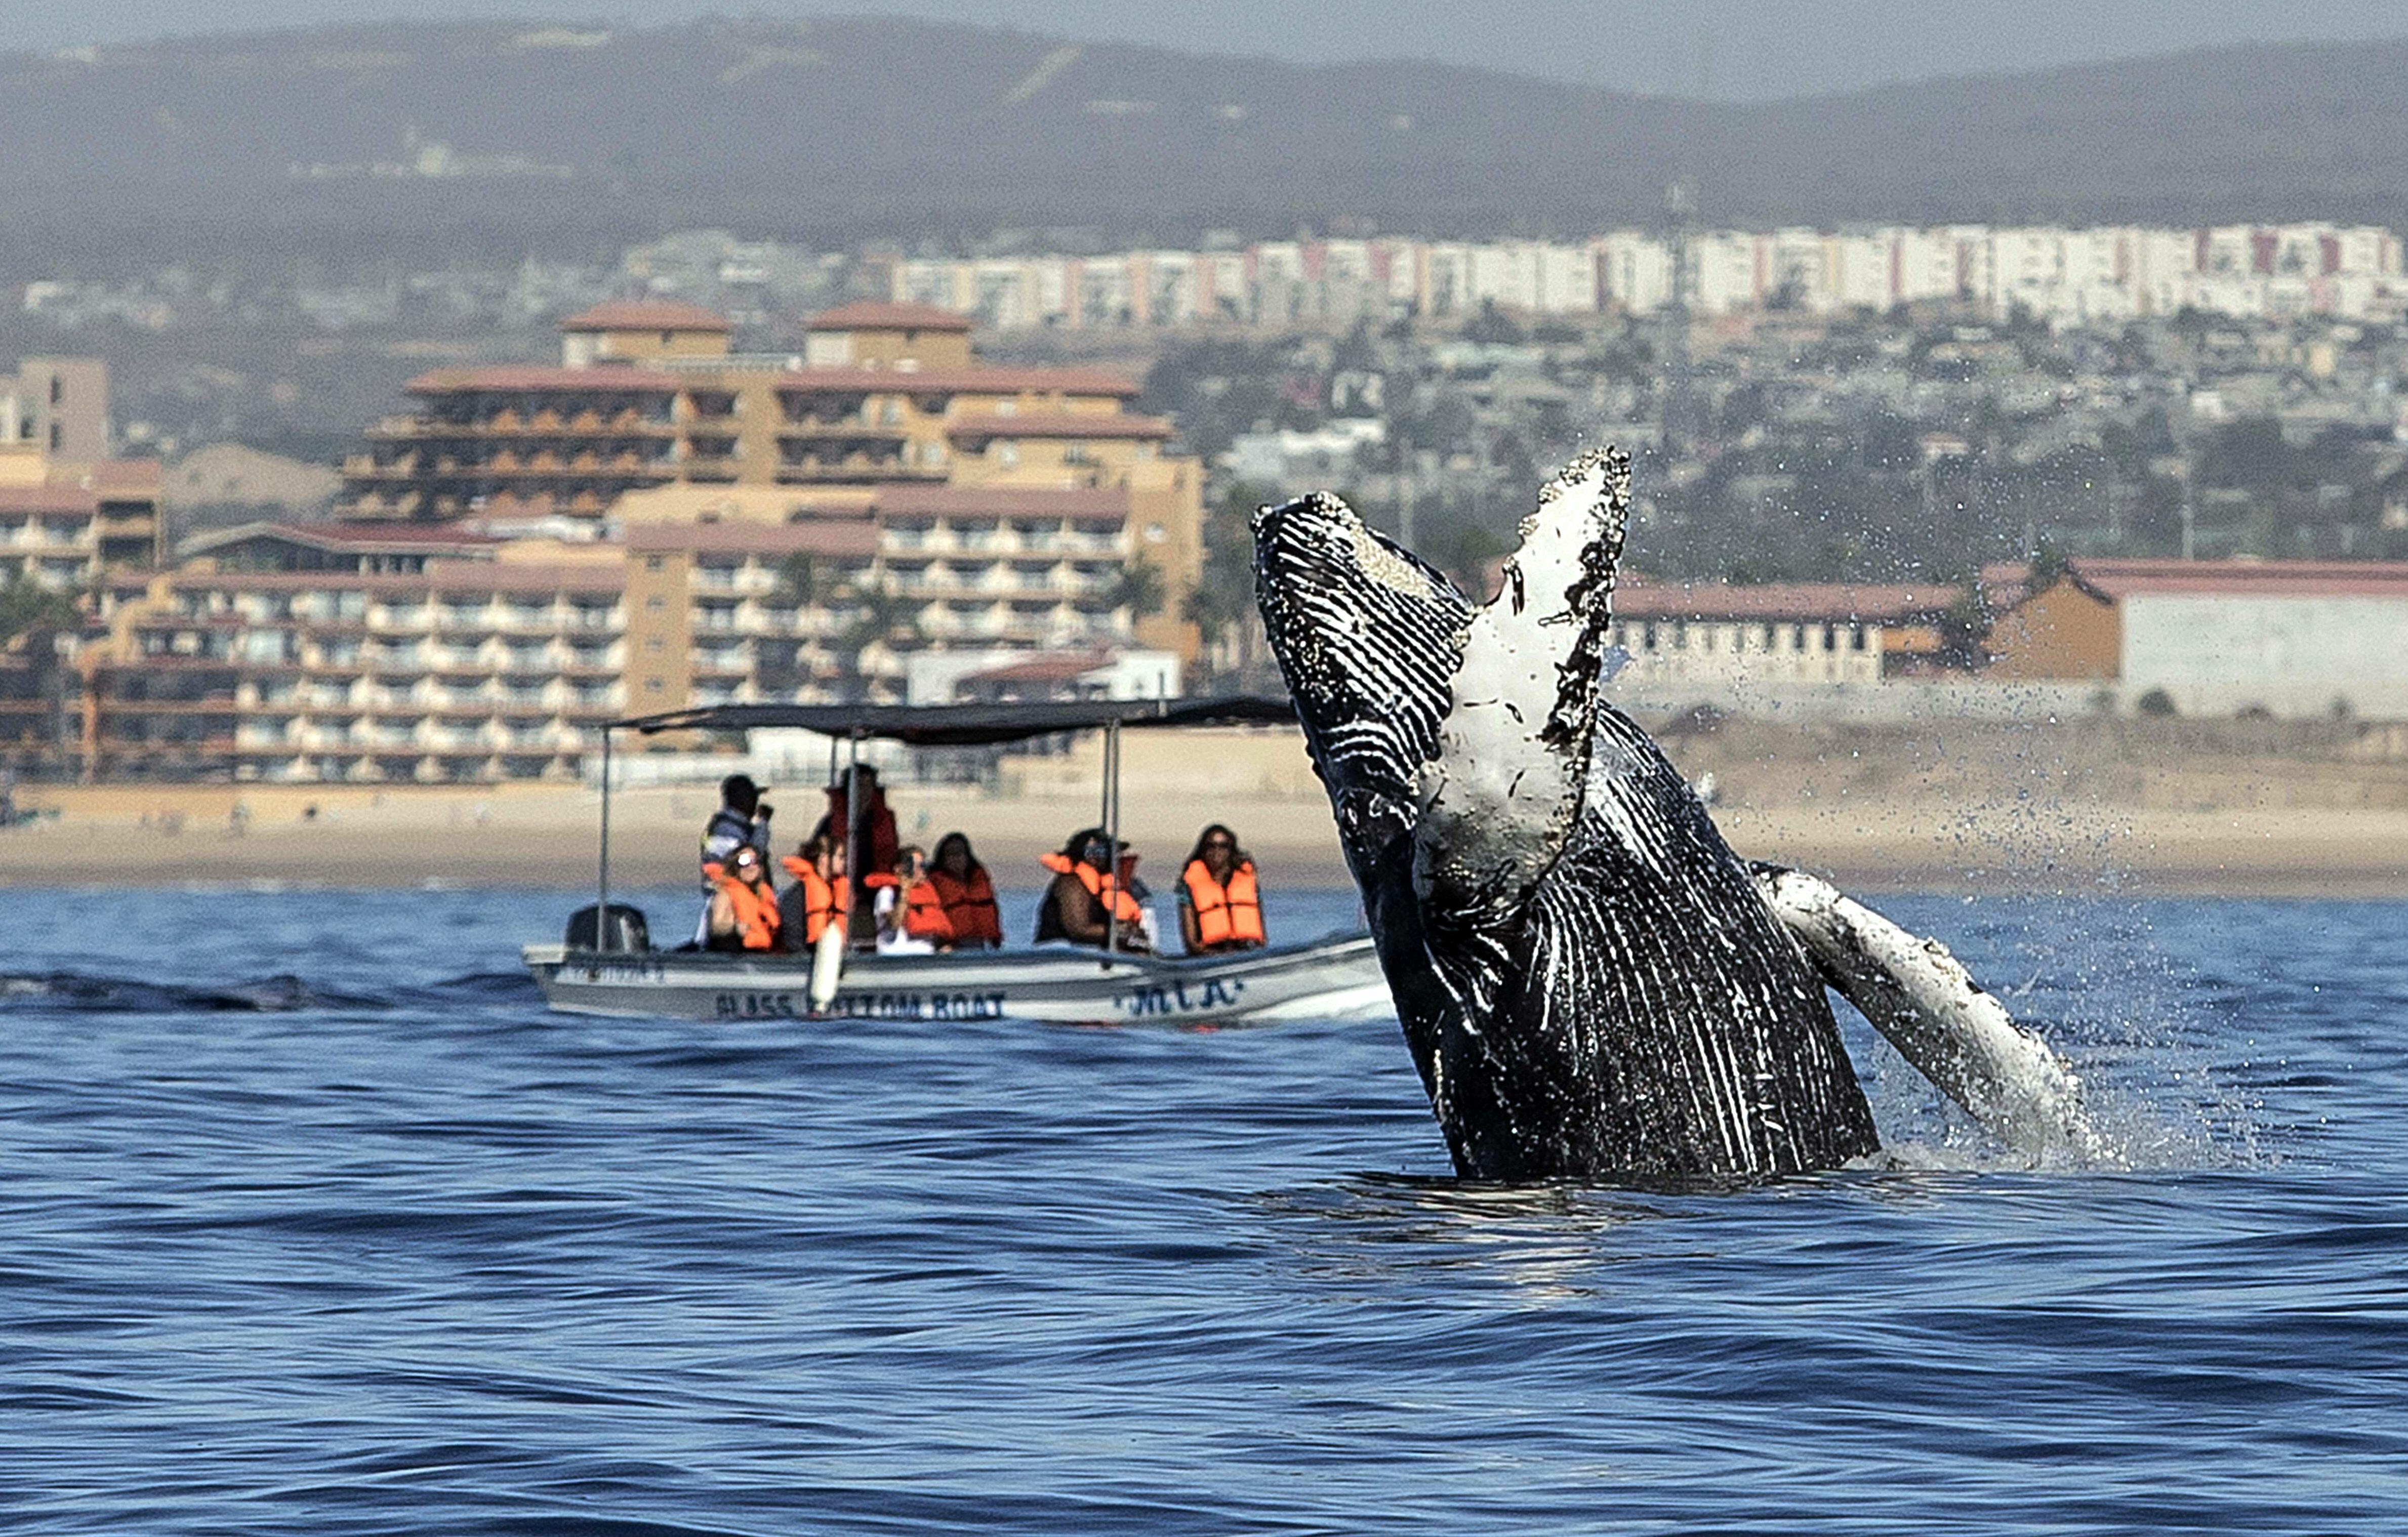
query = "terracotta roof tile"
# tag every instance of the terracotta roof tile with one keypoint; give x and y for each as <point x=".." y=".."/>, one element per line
<point x="600" y="379"/>
<point x="1072" y="424"/>
<point x="957" y="381"/>
<point x="646" y="315"/>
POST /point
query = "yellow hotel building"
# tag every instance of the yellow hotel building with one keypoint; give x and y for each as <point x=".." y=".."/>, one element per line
<point x="884" y="397"/>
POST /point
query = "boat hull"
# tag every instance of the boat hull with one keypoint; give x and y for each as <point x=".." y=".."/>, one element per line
<point x="1338" y="977"/>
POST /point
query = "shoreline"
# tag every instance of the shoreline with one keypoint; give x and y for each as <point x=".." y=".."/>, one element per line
<point x="544" y="838"/>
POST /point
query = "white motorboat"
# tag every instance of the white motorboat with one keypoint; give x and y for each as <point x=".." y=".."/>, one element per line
<point x="607" y="967"/>
<point x="1336" y="978"/>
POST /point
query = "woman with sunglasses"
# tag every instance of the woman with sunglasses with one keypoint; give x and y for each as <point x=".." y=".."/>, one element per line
<point x="1220" y="907"/>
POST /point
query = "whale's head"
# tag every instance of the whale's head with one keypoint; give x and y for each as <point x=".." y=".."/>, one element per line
<point x="1377" y="647"/>
<point x="1370" y="639"/>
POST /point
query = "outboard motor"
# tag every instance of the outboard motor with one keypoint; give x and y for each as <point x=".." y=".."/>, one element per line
<point x="618" y="928"/>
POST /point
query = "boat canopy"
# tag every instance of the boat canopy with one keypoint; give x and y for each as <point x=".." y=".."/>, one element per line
<point x="971" y="725"/>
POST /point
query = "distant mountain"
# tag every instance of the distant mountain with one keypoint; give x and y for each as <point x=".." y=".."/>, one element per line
<point x="421" y="141"/>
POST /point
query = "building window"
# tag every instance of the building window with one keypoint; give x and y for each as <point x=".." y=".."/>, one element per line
<point x="655" y="603"/>
<point x="655" y="562"/>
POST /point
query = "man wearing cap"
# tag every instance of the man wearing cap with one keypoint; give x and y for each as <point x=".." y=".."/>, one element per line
<point x="742" y="821"/>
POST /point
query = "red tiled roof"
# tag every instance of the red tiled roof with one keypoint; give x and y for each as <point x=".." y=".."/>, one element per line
<point x="820" y="536"/>
<point x="363" y="534"/>
<point x="448" y="576"/>
<point x="956" y="381"/>
<point x="1808" y="602"/>
<point x="48" y="499"/>
<point x="601" y="378"/>
<point x="871" y="315"/>
<point x="1058" y="424"/>
<point x="110" y="475"/>
<point x="647" y="314"/>
<point x="907" y="500"/>
<point x="2245" y="578"/>
<point x="616" y="379"/>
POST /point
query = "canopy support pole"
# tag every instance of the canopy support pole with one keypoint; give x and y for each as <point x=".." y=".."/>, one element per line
<point x="856" y="871"/>
<point x="602" y="930"/>
<point x="1112" y="835"/>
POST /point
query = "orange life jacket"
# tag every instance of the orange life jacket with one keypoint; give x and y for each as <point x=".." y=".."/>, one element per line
<point x="970" y="906"/>
<point x="756" y="914"/>
<point x="923" y="913"/>
<point x="1120" y="903"/>
<point x="1225" y="913"/>
<point x="823" y="902"/>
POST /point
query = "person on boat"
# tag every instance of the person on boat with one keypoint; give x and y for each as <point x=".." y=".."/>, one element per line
<point x="817" y="895"/>
<point x="878" y="819"/>
<point x="1220" y="908"/>
<point x="911" y="916"/>
<point x="1141" y="893"/>
<point x="744" y="916"/>
<point x="877" y="834"/>
<point x="741" y="820"/>
<point x="1086" y="904"/>
<point x="742" y="817"/>
<point x="962" y="885"/>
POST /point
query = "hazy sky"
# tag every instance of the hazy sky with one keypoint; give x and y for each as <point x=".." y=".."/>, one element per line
<point x="1748" y="50"/>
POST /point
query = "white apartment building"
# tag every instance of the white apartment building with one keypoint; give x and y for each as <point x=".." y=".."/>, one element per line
<point x="2103" y="275"/>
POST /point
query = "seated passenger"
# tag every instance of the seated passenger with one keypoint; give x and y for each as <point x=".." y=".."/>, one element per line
<point x="1075" y="905"/>
<point x="1141" y="893"/>
<point x="878" y="839"/>
<point x="968" y="896"/>
<point x="911" y="916"/>
<point x="743" y="913"/>
<point x="1219" y="909"/>
<point x="742" y="817"/>
<point x="819" y="895"/>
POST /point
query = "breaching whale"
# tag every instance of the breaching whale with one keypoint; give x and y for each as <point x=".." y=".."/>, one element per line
<point x="1592" y="984"/>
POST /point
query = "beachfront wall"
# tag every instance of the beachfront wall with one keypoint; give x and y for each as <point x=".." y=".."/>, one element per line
<point x="2292" y="655"/>
<point x="2295" y="639"/>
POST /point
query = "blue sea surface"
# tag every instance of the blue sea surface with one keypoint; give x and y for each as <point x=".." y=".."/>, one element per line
<point x="317" y="1221"/>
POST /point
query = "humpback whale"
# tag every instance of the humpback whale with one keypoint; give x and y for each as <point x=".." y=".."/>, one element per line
<point x="1592" y="985"/>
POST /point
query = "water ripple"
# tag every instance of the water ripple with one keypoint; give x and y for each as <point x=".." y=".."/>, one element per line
<point x="316" y="1227"/>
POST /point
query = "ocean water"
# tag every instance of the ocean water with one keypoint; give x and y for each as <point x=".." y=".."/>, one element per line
<point x="317" y="1222"/>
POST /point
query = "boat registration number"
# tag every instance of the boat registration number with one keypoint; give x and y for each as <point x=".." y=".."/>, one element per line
<point x="1175" y="998"/>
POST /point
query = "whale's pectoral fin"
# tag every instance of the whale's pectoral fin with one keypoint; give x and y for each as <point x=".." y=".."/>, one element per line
<point x="1498" y="799"/>
<point x="1924" y="1002"/>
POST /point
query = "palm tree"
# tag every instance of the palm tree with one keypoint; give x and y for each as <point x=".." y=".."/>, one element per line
<point x="1139" y="588"/>
<point x="883" y="616"/>
<point x="38" y="615"/>
<point x="1222" y="603"/>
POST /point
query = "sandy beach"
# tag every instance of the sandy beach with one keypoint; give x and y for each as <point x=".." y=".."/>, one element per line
<point x="2063" y="808"/>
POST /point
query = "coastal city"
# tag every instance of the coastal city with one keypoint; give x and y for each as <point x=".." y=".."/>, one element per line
<point x="1867" y="464"/>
